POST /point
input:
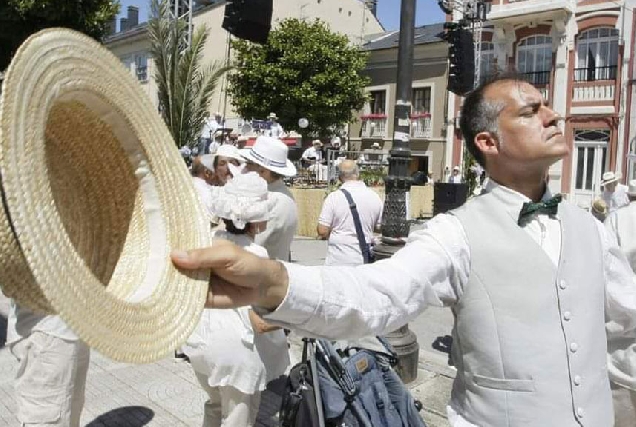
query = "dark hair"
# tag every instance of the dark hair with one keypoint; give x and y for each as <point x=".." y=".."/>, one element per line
<point x="231" y="228"/>
<point x="481" y="115"/>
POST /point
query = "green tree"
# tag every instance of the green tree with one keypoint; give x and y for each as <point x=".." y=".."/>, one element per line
<point x="304" y="70"/>
<point x="21" y="18"/>
<point x="185" y="86"/>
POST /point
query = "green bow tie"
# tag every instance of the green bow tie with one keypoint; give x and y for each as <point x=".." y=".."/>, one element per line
<point x="549" y="207"/>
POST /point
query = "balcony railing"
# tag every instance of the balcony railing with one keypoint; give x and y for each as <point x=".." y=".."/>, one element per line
<point x="596" y="91"/>
<point x="373" y="125"/>
<point x="421" y="125"/>
<point x="142" y="73"/>
<point x="538" y="78"/>
<point x="591" y="74"/>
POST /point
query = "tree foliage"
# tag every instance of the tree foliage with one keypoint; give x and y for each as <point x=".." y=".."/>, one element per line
<point x="21" y="18"/>
<point x="185" y="86"/>
<point x="304" y="70"/>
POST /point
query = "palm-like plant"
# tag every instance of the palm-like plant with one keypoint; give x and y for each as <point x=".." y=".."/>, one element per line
<point x="185" y="85"/>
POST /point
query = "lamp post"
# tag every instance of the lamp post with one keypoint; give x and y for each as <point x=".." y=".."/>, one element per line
<point x="395" y="225"/>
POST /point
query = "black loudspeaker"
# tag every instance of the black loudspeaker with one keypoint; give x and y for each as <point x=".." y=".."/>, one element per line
<point x="249" y="19"/>
<point x="448" y="196"/>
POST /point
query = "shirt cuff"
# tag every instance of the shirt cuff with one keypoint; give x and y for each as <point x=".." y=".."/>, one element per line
<point x="304" y="296"/>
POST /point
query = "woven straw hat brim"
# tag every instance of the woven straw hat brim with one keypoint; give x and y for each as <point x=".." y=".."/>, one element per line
<point x="95" y="196"/>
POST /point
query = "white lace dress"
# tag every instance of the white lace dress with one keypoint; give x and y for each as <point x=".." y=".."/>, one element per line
<point x="224" y="348"/>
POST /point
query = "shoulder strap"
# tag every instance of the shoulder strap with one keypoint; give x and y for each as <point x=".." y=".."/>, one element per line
<point x="364" y="248"/>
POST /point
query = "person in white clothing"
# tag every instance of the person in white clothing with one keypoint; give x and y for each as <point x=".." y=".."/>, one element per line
<point x="203" y="178"/>
<point x="268" y="157"/>
<point x="275" y="129"/>
<point x="336" y="225"/>
<point x="622" y="224"/>
<point x="234" y="353"/>
<point x="51" y="379"/>
<point x="225" y="155"/>
<point x="533" y="311"/>
<point x="455" y="178"/>
<point x="313" y="154"/>
<point x="614" y="193"/>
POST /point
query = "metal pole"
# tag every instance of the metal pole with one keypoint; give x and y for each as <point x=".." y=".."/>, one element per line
<point x="395" y="223"/>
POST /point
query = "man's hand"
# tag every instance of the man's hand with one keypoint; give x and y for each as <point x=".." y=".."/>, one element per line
<point x="238" y="278"/>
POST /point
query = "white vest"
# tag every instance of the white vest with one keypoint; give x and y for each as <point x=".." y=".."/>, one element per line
<point x="529" y="339"/>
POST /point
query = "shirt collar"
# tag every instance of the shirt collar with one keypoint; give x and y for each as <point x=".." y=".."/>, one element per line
<point x="511" y="199"/>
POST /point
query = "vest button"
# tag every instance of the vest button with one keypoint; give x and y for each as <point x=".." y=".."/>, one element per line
<point x="579" y="412"/>
<point x="563" y="284"/>
<point x="577" y="380"/>
<point x="567" y="316"/>
<point x="574" y="347"/>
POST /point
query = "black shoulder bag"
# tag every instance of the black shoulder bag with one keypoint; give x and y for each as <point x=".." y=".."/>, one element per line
<point x="367" y="255"/>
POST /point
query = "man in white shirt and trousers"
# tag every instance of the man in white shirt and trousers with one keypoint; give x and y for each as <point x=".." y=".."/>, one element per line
<point x="275" y="129"/>
<point x="335" y="223"/>
<point x="622" y="224"/>
<point x="614" y="193"/>
<point x="533" y="310"/>
<point x="50" y="382"/>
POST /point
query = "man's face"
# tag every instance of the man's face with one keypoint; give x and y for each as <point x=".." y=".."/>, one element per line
<point x="222" y="169"/>
<point x="611" y="186"/>
<point x="529" y="138"/>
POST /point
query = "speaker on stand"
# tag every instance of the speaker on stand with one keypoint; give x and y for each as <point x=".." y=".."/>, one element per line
<point x="248" y="19"/>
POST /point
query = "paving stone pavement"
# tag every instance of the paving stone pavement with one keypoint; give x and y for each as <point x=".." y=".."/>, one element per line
<point x="166" y="393"/>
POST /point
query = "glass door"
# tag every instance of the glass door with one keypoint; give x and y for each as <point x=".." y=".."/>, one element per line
<point x="589" y="163"/>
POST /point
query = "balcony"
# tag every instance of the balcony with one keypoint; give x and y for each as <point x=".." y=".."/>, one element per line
<point x="520" y="11"/>
<point x="594" y="84"/>
<point x="374" y="126"/>
<point x="142" y="73"/>
<point x="540" y="80"/>
<point x="421" y="125"/>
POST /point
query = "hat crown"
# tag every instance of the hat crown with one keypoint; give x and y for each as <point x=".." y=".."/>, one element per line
<point x="228" y="150"/>
<point x="272" y="150"/>
<point x="243" y="199"/>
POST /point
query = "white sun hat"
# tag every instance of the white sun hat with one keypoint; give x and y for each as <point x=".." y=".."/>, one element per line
<point x="243" y="199"/>
<point x="229" y="151"/>
<point x="95" y="197"/>
<point x="609" y="177"/>
<point x="271" y="153"/>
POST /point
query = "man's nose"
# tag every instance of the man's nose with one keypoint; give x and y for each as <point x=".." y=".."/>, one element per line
<point x="550" y="117"/>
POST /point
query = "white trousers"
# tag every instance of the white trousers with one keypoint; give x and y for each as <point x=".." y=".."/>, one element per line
<point x="50" y="381"/>
<point x="228" y="406"/>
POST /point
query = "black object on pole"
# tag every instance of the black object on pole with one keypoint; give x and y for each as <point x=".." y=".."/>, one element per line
<point x="461" y="58"/>
<point x="248" y="19"/>
<point x="395" y="225"/>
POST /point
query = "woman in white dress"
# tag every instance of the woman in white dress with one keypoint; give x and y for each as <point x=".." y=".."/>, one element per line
<point x="234" y="353"/>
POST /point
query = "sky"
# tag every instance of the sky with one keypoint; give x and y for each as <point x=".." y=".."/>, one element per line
<point x="427" y="12"/>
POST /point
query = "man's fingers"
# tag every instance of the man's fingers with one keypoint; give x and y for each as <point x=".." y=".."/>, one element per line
<point x="226" y="295"/>
<point x="214" y="256"/>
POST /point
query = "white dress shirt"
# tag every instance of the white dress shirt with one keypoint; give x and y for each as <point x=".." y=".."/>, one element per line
<point x="311" y="152"/>
<point x="343" y="247"/>
<point x="432" y="269"/>
<point x="275" y="131"/>
<point x="616" y="199"/>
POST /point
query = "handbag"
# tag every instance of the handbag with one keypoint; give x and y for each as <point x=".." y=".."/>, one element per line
<point x="365" y="248"/>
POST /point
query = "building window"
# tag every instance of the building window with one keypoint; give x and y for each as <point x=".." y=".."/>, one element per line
<point x="377" y="102"/>
<point x="596" y="55"/>
<point x="422" y="100"/>
<point x="486" y="61"/>
<point x="141" y="67"/>
<point x="534" y="59"/>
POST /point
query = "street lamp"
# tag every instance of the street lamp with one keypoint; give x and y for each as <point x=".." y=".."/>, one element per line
<point x="395" y="225"/>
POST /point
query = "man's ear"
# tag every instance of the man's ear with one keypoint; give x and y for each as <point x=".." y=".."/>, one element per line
<point x="486" y="143"/>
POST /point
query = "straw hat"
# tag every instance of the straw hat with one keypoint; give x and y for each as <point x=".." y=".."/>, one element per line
<point x="272" y="116"/>
<point x="243" y="199"/>
<point x="599" y="207"/>
<point x="96" y="196"/>
<point x="316" y="142"/>
<point x="271" y="153"/>
<point x="609" y="177"/>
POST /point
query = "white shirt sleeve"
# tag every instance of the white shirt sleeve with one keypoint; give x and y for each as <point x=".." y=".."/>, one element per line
<point x="327" y="213"/>
<point x="352" y="302"/>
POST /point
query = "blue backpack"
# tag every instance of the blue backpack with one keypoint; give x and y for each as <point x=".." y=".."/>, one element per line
<point x="358" y="387"/>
